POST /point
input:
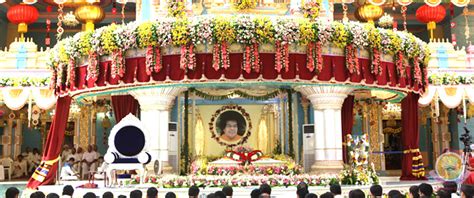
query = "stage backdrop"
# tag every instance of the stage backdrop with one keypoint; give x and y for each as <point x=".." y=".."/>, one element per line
<point x="264" y="126"/>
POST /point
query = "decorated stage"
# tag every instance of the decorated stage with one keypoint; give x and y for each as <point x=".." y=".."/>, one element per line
<point x="388" y="183"/>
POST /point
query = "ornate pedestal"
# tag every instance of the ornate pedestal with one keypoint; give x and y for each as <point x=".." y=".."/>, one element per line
<point x="327" y="103"/>
<point x="155" y="105"/>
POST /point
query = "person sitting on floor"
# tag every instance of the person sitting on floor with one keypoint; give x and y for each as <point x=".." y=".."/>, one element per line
<point x="36" y="159"/>
<point x="67" y="171"/>
<point x="12" y="192"/>
<point x="20" y="167"/>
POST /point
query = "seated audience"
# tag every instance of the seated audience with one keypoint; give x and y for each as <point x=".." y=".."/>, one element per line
<point x="170" y="195"/>
<point x="228" y="191"/>
<point x="35" y="160"/>
<point x="441" y="193"/>
<point x="425" y="190"/>
<point x="219" y="194"/>
<point x="357" y="193"/>
<point x="108" y="194"/>
<point x="89" y="195"/>
<point x="265" y="189"/>
<point x="19" y="167"/>
<point x="52" y="195"/>
<point x="37" y="194"/>
<point x="68" y="191"/>
<point x="68" y="172"/>
<point x="335" y="190"/>
<point x="311" y="195"/>
<point x="467" y="191"/>
<point x="193" y="192"/>
<point x="136" y="194"/>
<point x="255" y="193"/>
<point x="395" y="194"/>
<point x="152" y="192"/>
<point x="327" y="195"/>
<point x="414" y="192"/>
<point x="12" y="192"/>
<point x="376" y="191"/>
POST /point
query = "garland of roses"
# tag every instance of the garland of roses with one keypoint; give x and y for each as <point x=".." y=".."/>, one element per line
<point x="176" y="32"/>
<point x="245" y="31"/>
<point x="71" y="74"/>
<point x="223" y="34"/>
<point x="208" y="96"/>
<point x="223" y="109"/>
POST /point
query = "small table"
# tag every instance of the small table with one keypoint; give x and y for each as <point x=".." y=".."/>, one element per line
<point x="125" y="166"/>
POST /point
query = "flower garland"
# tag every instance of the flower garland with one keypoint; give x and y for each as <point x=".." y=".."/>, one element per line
<point x="237" y="180"/>
<point x="208" y="96"/>
<point x="450" y="79"/>
<point x="358" y="172"/>
<point x="245" y="29"/>
<point x="223" y="34"/>
<point x="374" y="44"/>
<point x="245" y="4"/>
<point x="220" y="31"/>
<point x="287" y="32"/>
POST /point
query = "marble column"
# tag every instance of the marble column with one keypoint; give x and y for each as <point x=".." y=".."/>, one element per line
<point x="155" y="105"/>
<point x="327" y="104"/>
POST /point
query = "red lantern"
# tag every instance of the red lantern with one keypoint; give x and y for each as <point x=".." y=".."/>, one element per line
<point x="431" y="16"/>
<point x="22" y="15"/>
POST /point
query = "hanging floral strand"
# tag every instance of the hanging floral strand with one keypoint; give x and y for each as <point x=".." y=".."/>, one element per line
<point x="60" y="29"/>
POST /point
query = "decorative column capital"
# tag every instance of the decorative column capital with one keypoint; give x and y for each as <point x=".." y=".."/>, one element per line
<point x="156" y="98"/>
<point x="325" y="97"/>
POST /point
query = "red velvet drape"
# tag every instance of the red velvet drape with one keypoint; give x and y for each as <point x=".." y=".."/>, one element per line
<point x="412" y="164"/>
<point x="46" y="171"/>
<point x="123" y="105"/>
<point x="347" y="118"/>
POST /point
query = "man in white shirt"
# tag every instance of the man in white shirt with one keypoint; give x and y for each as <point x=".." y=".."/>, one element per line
<point x="89" y="160"/>
<point x="67" y="171"/>
<point x="78" y="158"/>
<point x="28" y="157"/>
<point x="35" y="160"/>
<point x="20" y="167"/>
<point x="66" y="152"/>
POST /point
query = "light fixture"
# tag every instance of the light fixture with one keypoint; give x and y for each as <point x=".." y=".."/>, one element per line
<point x="30" y="1"/>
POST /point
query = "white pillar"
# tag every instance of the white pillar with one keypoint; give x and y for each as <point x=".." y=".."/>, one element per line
<point x="155" y="104"/>
<point x="327" y="103"/>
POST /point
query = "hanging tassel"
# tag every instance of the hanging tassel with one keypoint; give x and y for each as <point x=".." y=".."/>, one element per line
<point x="149" y="60"/>
<point x="310" y="57"/>
<point x="247" y="66"/>
<point x="278" y="65"/>
<point x="319" y="54"/>
<point x="215" y="57"/>
<point x="286" y="60"/>
<point x="92" y="67"/>
<point x="256" y="58"/>
<point x="71" y="74"/>
<point x="191" y="57"/>
<point x="183" y="60"/>
<point x="158" y="64"/>
<point x="225" y="56"/>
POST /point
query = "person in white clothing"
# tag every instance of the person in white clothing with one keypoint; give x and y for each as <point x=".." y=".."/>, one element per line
<point x="29" y="158"/>
<point x="66" y="152"/>
<point x="67" y="171"/>
<point x="78" y="157"/>
<point x="36" y="160"/>
<point x="20" y="167"/>
<point x="89" y="160"/>
<point x="100" y="171"/>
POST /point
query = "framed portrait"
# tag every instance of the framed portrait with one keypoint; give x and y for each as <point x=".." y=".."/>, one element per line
<point x="230" y="125"/>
